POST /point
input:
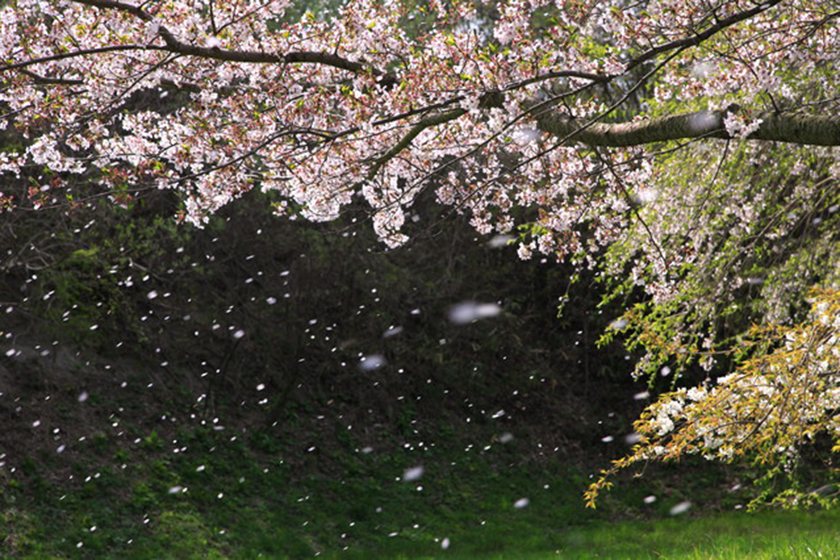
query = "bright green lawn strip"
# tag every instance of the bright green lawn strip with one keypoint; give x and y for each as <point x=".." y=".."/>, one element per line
<point x="763" y="535"/>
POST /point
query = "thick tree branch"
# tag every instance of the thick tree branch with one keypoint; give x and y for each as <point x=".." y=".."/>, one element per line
<point x="173" y="44"/>
<point x="775" y="127"/>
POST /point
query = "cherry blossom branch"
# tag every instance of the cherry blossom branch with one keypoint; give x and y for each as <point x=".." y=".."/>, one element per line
<point x="600" y="78"/>
<point x="634" y="208"/>
<point x="215" y="53"/>
<point x="310" y="57"/>
<point x="599" y="129"/>
<point x="252" y="152"/>
<point x="428" y="122"/>
<point x="74" y="54"/>
<point x="45" y="80"/>
<point x="607" y="135"/>
<point x="699" y="38"/>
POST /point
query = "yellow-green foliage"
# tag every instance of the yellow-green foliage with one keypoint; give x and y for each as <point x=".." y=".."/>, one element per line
<point x="784" y="396"/>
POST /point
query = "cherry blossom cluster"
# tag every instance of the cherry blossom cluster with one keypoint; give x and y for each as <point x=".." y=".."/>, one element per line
<point x="214" y="99"/>
<point x="499" y="114"/>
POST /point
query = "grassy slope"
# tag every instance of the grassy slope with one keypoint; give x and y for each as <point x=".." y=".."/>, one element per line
<point x="243" y="492"/>
<point x="144" y="473"/>
<point x="243" y="506"/>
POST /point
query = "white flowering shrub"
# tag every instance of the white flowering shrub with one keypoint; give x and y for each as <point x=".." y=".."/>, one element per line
<point x="765" y="410"/>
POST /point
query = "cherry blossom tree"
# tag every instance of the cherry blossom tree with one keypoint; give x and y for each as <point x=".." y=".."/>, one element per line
<point x="685" y="148"/>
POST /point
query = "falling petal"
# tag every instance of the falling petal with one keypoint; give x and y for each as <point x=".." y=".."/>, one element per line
<point x="632" y="439"/>
<point x="498" y="241"/>
<point x="470" y="311"/>
<point x="618" y="324"/>
<point x="413" y="473"/>
<point x="680" y="508"/>
<point x="392" y="331"/>
<point x="372" y="362"/>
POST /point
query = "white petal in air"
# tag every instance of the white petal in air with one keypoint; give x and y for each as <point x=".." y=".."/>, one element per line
<point x="498" y="241"/>
<point x="392" y="331"/>
<point x="680" y="508"/>
<point x="372" y="362"/>
<point x="469" y="311"/>
<point x="618" y="324"/>
<point x="412" y="474"/>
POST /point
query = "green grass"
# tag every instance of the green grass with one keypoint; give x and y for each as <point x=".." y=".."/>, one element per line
<point x="727" y="536"/>
<point x="255" y="498"/>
